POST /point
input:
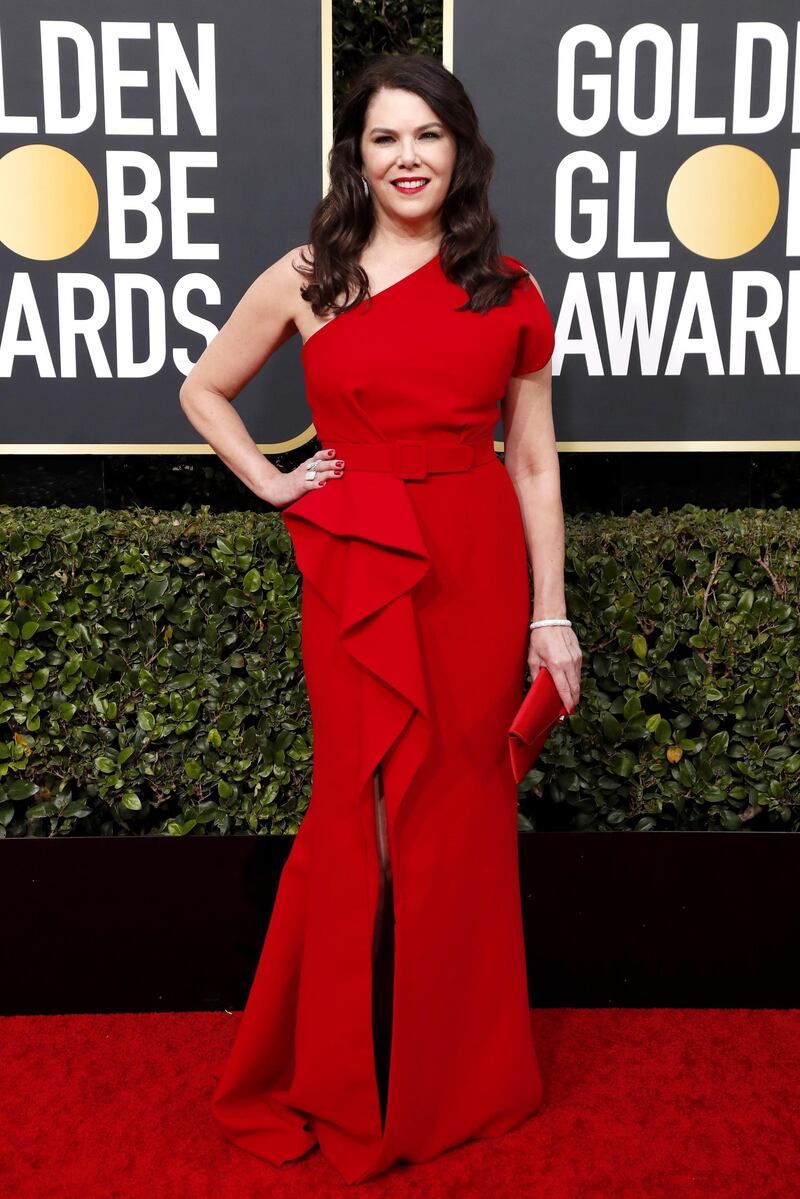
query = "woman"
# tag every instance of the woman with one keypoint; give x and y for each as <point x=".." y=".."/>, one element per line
<point x="388" y="1019"/>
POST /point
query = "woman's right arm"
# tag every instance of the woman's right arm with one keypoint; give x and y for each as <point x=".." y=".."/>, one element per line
<point x="261" y="322"/>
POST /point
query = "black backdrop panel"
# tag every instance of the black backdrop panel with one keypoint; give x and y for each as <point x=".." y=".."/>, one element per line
<point x="596" y="119"/>
<point x="194" y="129"/>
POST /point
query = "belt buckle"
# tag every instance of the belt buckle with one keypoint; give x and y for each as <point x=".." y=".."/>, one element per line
<point x="410" y="459"/>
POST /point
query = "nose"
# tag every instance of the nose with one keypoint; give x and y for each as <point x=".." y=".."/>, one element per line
<point x="408" y="153"/>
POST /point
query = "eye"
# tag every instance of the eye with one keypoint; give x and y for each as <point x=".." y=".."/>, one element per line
<point x="388" y="137"/>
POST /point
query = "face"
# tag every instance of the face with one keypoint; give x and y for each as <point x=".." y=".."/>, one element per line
<point x="404" y="139"/>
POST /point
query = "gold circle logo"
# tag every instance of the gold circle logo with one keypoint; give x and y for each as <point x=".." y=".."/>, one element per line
<point x="722" y="201"/>
<point x="48" y="202"/>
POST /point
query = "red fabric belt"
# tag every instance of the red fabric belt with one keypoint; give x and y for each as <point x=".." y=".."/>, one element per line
<point x="412" y="459"/>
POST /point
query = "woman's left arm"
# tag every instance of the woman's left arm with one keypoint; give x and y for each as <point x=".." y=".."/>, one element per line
<point x="531" y="459"/>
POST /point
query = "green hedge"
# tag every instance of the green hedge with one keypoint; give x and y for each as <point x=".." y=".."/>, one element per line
<point x="689" y="697"/>
<point x="151" y="675"/>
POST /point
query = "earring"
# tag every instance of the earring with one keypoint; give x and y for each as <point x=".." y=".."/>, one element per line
<point x="366" y="186"/>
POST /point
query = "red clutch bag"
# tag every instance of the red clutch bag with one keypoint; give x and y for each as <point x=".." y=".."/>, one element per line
<point x="540" y="710"/>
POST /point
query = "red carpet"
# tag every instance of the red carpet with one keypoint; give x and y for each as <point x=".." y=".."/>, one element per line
<point x="638" y="1103"/>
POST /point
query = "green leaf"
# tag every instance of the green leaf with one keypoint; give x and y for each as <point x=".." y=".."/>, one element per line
<point x="639" y="646"/>
<point x="623" y="764"/>
<point x="663" y="732"/>
<point x="155" y="588"/>
<point x="19" y="789"/>
<point x="48" y="808"/>
<point x="612" y="729"/>
<point x="718" y="744"/>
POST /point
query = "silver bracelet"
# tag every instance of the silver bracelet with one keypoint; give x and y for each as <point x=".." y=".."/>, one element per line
<point x="536" y="624"/>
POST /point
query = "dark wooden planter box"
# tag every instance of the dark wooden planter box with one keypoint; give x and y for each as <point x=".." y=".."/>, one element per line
<point x="95" y="924"/>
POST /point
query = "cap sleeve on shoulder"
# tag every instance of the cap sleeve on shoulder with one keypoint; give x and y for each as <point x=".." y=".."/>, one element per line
<point x="535" y="332"/>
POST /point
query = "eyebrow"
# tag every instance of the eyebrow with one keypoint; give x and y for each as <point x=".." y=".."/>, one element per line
<point x="383" y="128"/>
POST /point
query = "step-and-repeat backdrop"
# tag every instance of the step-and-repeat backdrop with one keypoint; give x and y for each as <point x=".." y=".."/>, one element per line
<point x="648" y="173"/>
<point x="154" y="159"/>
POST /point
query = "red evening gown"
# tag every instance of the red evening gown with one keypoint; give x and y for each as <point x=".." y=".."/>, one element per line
<point x="395" y="944"/>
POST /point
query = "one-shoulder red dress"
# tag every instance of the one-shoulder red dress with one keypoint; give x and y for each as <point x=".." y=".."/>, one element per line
<point x="415" y="611"/>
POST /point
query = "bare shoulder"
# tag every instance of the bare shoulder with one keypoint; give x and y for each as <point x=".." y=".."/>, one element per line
<point x="296" y="266"/>
<point x="274" y="296"/>
<point x="262" y="320"/>
<point x="302" y="256"/>
<point x="280" y="282"/>
<point x="299" y="263"/>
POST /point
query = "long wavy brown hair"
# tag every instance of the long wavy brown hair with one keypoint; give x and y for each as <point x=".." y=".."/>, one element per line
<point x="342" y="222"/>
